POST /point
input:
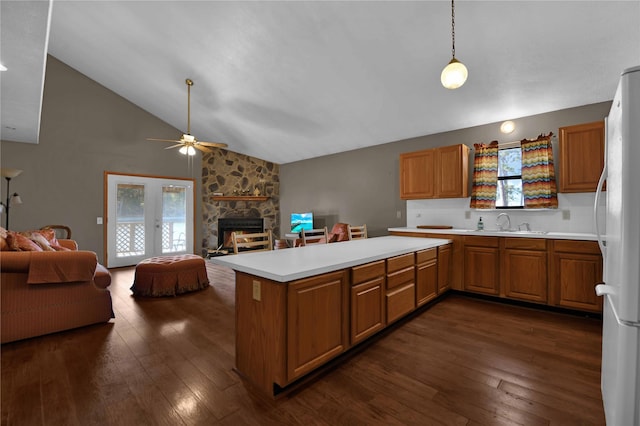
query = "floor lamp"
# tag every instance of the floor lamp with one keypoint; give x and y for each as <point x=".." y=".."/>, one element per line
<point x="14" y="199"/>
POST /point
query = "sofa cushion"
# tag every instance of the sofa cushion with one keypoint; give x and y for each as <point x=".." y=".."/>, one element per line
<point x="18" y="242"/>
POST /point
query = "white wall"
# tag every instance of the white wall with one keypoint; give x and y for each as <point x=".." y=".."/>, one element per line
<point x="578" y="207"/>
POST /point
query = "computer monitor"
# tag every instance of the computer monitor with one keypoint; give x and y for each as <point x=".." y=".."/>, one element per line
<point x="300" y="221"/>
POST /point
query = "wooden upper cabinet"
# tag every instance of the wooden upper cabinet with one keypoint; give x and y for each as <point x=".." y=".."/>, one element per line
<point x="581" y="157"/>
<point x="415" y="167"/>
<point x="435" y="173"/>
<point x="452" y="171"/>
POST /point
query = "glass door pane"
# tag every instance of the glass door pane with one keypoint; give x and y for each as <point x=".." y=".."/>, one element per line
<point x="174" y="219"/>
<point x="130" y="223"/>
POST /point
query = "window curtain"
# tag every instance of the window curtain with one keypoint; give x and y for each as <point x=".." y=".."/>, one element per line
<point x="538" y="174"/>
<point x="485" y="176"/>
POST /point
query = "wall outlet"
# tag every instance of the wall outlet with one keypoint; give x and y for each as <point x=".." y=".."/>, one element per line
<point x="256" y="290"/>
<point x="566" y="214"/>
<point x="467" y="214"/>
<point x="99" y="221"/>
<point x="399" y="214"/>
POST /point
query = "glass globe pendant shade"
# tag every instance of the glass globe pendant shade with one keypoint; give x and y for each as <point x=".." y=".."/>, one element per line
<point x="454" y="74"/>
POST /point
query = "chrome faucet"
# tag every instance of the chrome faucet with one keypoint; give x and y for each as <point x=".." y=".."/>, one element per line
<point x="500" y="225"/>
<point x="526" y="225"/>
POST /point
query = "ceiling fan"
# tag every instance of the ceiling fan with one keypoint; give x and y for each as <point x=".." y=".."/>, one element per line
<point x="188" y="143"/>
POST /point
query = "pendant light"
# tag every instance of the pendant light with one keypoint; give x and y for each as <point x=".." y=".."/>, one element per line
<point x="455" y="73"/>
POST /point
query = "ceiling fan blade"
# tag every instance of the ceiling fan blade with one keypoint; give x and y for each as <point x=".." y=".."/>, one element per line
<point x="214" y="144"/>
<point x="163" y="140"/>
<point x="201" y="148"/>
<point x="174" y="146"/>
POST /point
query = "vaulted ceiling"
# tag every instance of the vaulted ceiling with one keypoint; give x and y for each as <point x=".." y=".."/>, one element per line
<point x="290" y="80"/>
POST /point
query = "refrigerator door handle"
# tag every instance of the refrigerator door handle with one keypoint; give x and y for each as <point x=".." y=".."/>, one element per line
<point x="596" y="203"/>
<point x="605" y="290"/>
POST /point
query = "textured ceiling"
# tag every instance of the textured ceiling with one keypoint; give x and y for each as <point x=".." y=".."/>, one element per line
<point x="285" y="81"/>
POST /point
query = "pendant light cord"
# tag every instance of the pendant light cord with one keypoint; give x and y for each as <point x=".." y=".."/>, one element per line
<point x="453" y="30"/>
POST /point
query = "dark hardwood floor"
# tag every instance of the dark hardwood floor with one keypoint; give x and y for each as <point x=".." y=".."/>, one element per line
<point x="168" y="361"/>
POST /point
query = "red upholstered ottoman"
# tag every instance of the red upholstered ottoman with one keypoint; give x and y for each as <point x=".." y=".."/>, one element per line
<point x="170" y="275"/>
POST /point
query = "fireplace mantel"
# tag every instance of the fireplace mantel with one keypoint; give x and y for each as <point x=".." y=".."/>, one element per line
<point x="240" y="198"/>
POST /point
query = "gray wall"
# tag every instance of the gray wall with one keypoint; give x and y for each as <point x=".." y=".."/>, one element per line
<point x="85" y="131"/>
<point x="362" y="186"/>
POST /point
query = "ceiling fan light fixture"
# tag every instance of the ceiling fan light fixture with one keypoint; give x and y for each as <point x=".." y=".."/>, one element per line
<point x="188" y="138"/>
<point x="187" y="150"/>
<point x="455" y="73"/>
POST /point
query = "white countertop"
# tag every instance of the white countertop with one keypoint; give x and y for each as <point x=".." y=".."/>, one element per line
<point x="301" y="262"/>
<point x="496" y="233"/>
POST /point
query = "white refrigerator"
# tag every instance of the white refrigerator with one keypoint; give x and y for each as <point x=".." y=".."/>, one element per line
<point x="620" y="247"/>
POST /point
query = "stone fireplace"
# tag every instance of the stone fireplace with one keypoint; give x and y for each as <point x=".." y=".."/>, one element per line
<point x="243" y="225"/>
<point x="230" y="182"/>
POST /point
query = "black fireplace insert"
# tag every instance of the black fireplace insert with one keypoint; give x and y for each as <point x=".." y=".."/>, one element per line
<point x="242" y="225"/>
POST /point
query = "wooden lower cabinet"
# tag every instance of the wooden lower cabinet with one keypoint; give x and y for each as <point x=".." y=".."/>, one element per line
<point x="524" y="269"/>
<point x="481" y="265"/>
<point x="445" y="267"/>
<point x="426" y="276"/>
<point x="400" y="294"/>
<point x="317" y="323"/>
<point x="577" y="268"/>
<point x="367" y="300"/>
<point x="456" y="260"/>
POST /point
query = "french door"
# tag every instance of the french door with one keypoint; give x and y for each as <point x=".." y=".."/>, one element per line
<point x="148" y="216"/>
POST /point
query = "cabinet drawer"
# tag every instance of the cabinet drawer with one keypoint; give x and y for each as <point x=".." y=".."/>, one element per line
<point x="574" y="246"/>
<point x="400" y="301"/>
<point x="400" y="262"/>
<point x="363" y="273"/>
<point x="404" y="276"/>
<point x="525" y="243"/>
<point x="426" y="255"/>
<point x="471" y="240"/>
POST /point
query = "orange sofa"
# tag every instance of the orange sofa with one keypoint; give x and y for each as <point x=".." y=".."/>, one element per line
<point x="44" y="292"/>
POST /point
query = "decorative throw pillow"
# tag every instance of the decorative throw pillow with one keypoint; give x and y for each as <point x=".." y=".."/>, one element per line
<point x="48" y="234"/>
<point x="40" y="240"/>
<point x="18" y="242"/>
<point x="3" y="240"/>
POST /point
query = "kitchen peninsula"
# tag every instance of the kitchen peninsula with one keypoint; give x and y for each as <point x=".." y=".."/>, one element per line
<point x="297" y="309"/>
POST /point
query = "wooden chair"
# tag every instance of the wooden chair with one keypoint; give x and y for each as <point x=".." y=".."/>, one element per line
<point x="357" y="232"/>
<point x="315" y="236"/>
<point x="259" y="241"/>
<point x="62" y="231"/>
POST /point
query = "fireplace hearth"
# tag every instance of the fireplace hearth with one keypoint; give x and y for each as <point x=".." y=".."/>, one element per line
<point x="243" y="225"/>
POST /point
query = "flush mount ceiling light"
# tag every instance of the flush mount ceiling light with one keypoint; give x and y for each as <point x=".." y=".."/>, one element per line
<point x="507" y="127"/>
<point x="455" y="73"/>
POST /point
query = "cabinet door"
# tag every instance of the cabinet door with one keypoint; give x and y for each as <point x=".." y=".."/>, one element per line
<point x="576" y="275"/>
<point x="367" y="309"/>
<point x="525" y="275"/>
<point x="445" y="265"/>
<point x="400" y="301"/>
<point x="581" y="157"/>
<point x="452" y="176"/>
<point x="317" y="321"/>
<point x="367" y="300"/>
<point x="481" y="269"/>
<point x="417" y="175"/>
<point x="426" y="276"/>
